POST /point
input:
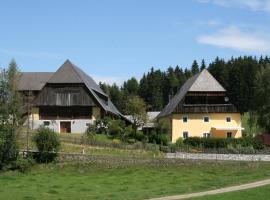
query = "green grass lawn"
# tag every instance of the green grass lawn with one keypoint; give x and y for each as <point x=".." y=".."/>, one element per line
<point x="95" y="150"/>
<point x="136" y="179"/>
<point x="260" y="193"/>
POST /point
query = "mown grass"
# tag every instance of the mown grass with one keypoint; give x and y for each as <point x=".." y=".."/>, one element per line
<point x="136" y="179"/>
<point x="261" y="193"/>
<point x="94" y="150"/>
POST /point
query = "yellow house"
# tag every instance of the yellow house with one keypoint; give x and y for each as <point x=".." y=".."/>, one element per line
<point x="202" y="109"/>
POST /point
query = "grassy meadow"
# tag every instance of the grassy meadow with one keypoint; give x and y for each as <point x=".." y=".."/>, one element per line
<point x="261" y="193"/>
<point x="134" y="179"/>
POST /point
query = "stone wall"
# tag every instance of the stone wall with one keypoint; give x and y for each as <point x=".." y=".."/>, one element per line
<point x="232" y="157"/>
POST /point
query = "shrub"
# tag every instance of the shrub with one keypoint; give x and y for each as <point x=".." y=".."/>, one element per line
<point x="255" y="143"/>
<point x="23" y="164"/>
<point x="115" y="128"/>
<point x="140" y="136"/>
<point x="116" y="141"/>
<point x="48" y="144"/>
<point x="102" y="125"/>
<point x="179" y="142"/>
<point x="91" y="133"/>
<point x="8" y="146"/>
<point x="193" y="141"/>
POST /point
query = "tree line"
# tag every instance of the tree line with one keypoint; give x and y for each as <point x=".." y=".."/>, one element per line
<point x="156" y="87"/>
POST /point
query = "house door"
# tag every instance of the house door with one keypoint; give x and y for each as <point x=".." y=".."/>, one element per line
<point x="65" y="127"/>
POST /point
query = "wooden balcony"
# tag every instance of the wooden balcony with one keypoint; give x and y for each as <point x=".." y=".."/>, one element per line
<point x="206" y="108"/>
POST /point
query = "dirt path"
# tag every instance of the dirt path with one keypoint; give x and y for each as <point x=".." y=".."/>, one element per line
<point x="217" y="191"/>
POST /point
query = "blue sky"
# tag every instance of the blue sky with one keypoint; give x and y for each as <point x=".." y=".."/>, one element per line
<point x="114" y="40"/>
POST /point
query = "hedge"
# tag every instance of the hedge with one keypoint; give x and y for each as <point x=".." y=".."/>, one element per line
<point x="256" y="143"/>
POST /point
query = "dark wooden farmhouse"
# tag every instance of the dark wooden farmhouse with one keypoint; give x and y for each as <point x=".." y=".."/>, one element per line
<point x="66" y="101"/>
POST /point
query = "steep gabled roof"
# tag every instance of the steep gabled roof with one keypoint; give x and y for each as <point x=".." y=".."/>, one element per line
<point x="33" y="81"/>
<point x="70" y="73"/>
<point x="205" y="82"/>
<point x="201" y="82"/>
<point x="67" y="73"/>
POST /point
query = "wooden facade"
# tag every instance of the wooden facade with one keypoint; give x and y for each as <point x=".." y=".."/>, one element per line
<point x="65" y="112"/>
<point x="205" y="102"/>
<point x="64" y="95"/>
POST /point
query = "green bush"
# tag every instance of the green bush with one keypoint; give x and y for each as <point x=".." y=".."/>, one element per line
<point x="115" y="128"/>
<point x="179" y="142"/>
<point x="255" y="143"/>
<point x="48" y="144"/>
<point x="102" y="125"/>
<point x="139" y="135"/>
<point x="90" y="134"/>
<point x="8" y="146"/>
<point x="23" y="164"/>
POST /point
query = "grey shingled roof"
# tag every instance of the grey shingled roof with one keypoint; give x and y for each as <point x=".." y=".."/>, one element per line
<point x="205" y="82"/>
<point x="70" y="73"/>
<point x="33" y="81"/>
<point x="201" y="82"/>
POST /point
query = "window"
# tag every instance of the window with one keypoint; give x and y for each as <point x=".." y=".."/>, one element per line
<point x="228" y="119"/>
<point x="206" y="135"/>
<point x="206" y="119"/>
<point x="87" y="124"/>
<point x="185" y="134"/>
<point x="46" y="123"/>
<point x="185" y="119"/>
<point x="229" y="134"/>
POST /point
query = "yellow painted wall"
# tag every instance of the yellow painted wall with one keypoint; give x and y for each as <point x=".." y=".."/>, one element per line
<point x="35" y="113"/>
<point x="196" y="125"/>
<point x="96" y="113"/>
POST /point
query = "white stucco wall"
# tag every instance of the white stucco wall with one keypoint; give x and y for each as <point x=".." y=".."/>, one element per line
<point x="77" y="125"/>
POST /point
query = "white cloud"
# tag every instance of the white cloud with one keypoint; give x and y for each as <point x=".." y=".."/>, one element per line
<point x="109" y="80"/>
<point x="255" y="5"/>
<point x="233" y="37"/>
<point x="212" y="22"/>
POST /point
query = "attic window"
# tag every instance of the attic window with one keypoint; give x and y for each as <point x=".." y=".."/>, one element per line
<point x="206" y="119"/>
<point x="185" y="119"/>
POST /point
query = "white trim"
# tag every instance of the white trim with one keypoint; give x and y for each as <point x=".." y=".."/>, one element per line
<point x="183" y="134"/>
<point x="207" y="133"/>
<point x="228" y="128"/>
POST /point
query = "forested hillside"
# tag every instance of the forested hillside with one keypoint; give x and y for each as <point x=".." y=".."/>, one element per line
<point x="237" y="75"/>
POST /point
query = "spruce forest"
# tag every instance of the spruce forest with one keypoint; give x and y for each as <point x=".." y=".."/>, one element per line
<point x="237" y="75"/>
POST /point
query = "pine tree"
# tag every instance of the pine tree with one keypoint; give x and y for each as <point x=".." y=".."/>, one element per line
<point x="195" y="67"/>
<point x="203" y="66"/>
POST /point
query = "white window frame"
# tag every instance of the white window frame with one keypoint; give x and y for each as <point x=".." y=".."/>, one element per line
<point x="230" y="133"/>
<point x="229" y="118"/>
<point x="206" y="135"/>
<point x="208" y="119"/>
<point x="185" y="116"/>
<point x="184" y="133"/>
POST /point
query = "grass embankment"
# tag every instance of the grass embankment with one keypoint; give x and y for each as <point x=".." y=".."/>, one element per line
<point x="135" y="179"/>
<point x="71" y="143"/>
<point x="261" y="193"/>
